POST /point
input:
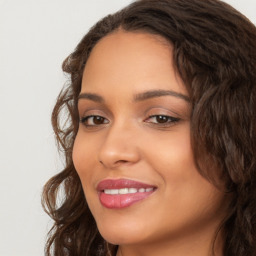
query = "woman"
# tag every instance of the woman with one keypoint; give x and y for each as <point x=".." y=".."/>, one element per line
<point x="159" y="140"/>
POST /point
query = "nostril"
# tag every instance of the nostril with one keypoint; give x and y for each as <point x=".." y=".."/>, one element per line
<point x="115" y="163"/>
<point x="122" y="161"/>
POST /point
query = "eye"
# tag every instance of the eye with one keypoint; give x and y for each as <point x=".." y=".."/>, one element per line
<point x="93" y="120"/>
<point x="162" y="120"/>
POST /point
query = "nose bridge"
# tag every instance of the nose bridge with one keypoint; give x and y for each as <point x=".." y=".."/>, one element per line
<point x="119" y="145"/>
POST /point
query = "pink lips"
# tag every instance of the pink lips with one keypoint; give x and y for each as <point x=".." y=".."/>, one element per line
<point x="117" y="200"/>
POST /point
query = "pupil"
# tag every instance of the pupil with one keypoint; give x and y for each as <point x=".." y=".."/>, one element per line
<point x="161" y="119"/>
<point x="98" y="120"/>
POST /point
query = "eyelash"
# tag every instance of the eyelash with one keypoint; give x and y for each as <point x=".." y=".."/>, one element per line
<point x="168" y="120"/>
<point x="85" y="119"/>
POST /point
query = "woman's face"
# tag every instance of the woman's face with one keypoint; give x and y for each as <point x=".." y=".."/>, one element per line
<point x="133" y="152"/>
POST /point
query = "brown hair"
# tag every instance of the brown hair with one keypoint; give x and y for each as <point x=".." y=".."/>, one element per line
<point x="214" y="51"/>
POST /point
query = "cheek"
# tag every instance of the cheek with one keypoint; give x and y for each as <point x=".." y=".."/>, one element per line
<point x="186" y="190"/>
<point x="174" y="157"/>
<point x="82" y="157"/>
<point x="77" y="155"/>
<point x="84" y="162"/>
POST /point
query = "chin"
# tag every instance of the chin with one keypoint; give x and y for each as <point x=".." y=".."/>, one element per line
<point x="118" y="237"/>
<point x="122" y="234"/>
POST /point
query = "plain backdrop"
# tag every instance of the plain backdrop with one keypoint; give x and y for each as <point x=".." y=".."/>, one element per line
<point x="35" y="37"/>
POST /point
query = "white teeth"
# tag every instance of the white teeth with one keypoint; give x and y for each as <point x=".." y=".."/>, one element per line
<point x="132" y="190"/>
<point x="111" y="191"/>
<point x="124" y="191"/>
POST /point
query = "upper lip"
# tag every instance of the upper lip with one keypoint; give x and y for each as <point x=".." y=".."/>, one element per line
<point x="121" y="183"/>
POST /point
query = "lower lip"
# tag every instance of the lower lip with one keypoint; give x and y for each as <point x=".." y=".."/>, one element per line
<point x="122" y="201"/>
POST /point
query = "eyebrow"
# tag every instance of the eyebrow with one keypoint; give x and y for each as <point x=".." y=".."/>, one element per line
<point x="137" y="97"/>
<point x="159" y="93"/>
<point x="91" y="96"/>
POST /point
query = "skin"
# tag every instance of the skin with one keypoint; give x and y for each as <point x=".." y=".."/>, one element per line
<point x="128" y="141"/>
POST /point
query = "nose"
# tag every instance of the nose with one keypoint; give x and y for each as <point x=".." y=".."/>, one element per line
<point x="119" y="147"/>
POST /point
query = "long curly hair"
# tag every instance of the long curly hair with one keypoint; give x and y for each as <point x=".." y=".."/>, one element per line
<point x="214" y="51"/>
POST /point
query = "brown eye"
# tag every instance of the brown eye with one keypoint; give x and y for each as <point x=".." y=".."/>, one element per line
<point x="93" y="120"/>
<point x="98" y="120"/>
<point x="162" y="120"/>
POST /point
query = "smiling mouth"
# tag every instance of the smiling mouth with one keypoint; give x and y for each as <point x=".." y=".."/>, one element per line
<point x="124" y="191"/>
<point x="117" y="194"/>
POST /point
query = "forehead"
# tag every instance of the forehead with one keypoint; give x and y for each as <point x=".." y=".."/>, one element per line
<point x="133" y="60"/>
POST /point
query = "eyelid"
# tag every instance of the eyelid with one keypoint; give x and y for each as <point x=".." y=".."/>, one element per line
<point x="102" y="121"/>
<point x="163" y="111"/>
<point x="92" y="111"/>
<point x="87" y="112"/>
<point x="82" y="119"/>
<point x="169" y="117"/>
<point x="86" y="107"/>
<point x="170" y="120"/>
